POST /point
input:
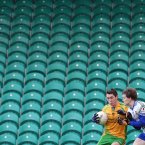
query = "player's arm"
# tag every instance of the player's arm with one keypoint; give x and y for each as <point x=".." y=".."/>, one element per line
<point x="139" y="123"/>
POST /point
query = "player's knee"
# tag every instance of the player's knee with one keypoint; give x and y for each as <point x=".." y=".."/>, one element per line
<point x="115" y="143"/>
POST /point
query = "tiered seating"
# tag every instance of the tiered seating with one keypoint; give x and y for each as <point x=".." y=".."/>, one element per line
<point x="57" y="59"/>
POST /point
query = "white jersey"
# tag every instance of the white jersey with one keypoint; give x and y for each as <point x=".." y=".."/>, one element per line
<point x="138" y="110"/>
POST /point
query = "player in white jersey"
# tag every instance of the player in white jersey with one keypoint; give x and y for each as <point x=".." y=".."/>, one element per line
<point x="136" y="113"/>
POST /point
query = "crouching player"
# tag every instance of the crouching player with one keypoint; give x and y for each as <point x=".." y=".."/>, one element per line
<point x="135" y="114"/>
<point x="114" y="134"/>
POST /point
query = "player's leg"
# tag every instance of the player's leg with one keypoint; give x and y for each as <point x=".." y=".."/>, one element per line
<point x="105" y="140"/>
<point x="140" y="140"/>
<point x="115" y="143"/>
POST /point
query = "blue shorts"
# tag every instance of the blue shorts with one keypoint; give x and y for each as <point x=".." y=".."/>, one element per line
<point x="142" y="136"/>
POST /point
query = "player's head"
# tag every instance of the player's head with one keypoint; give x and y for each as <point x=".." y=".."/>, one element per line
<point x="112" y="97"/>
<point x="129" y="95"/>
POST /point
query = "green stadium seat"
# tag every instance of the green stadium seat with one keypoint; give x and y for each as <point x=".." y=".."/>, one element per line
<point x="74" y="96"/>
<point x="99" y="56"/>
<point x="121" y="28"/>
<point x="30" y="117"/>
<point x="100" y="37"/>
<point x="18" y="47"/>
<point x="8" y="127"/>
<point x="71" y="137"/>
<point x="118" y="84"/>
<point x="119" y="46"/>
<point x="17" y="57"/>
<point x="37" y="57"/>
<point x="59" y="47"/>
<point x="91" y="138"/>
<point x="43" y="10"/>
<point x="7" y="138"/>
<point x="139" y="37"/>
<point x="138" y="18"/>
<point x="50" y="127"/>
<point x="5" y="20"/>
<point x="31" y="106"/>
<point x="11" y="96"/>
<point x="75" y="85"/>
<point x="97" y="75"/>
<point x="31" y="96"/>
<point x="91" y="127"/>
<point x="82" y="9"/>
<point x="76" y="75"/>
<point x="52" y="105"/>
<point x="29" y="128"/>
<point x="39" y="37"/>
<point x="138" y="2"/>
<point x="20" y="28"/>
<point x="72" y="127"/>
<point x="137" y="56"/>
<point x="140" y="94"/>
<point x="38" y="47"/>
<point x="12" y="87"/>
<point x="41" y="19"/>
<point x="119" y="56"/>
<point x="119" y="66"/>
<point x="4" y="39"/>
<point x="24" y="3"/>
<point x="80" y="28"/>
<point x="99" y="2"/>
<point x="23" y="10"/>
<point x="51" y="116"/>
<point x="21" y="19"/>
<point x="79" y="47"/>
<point x="19" y="37"/>
<point x="10" y="117"/>
<point x="8" y="3"/>
<point x="49" y="138"/>
<point x="125" y="2"/>
<point x="117" y="75"/>
<point x="95" y="95"/>
<point x="82" y="3"/>
<point x="72" y="116"/>
<point x="138" y="84"/>
<point x="73" y="106"/>
<point x="10" y="107"/>
<point x="101" y="19"/>
<point x="28" y="138"/>
<point x="40" y="28"/>
<point x="64" y="3"/>
<point x="101" y="28"/>
<point x="99" y="47"/>
<point x="3" y="59"/>
<point x="102" y="9"/>
<point x="54" y="85"/>
<point x="81" y="19"/>
<point x="44" y="2"/>
<point x="36" y="67"/>
<point x="94" y="105"/>
<point x="61" y="19"/>
<point x="5" y="30"/>
<point x="137" y="65"/>
<point x="122" y="8"/>
<point x="62" y="9"/>
<point x="2" y="69"/>
<point x="88" y="117"/>
<point x="98" y="65"/>
<point x="139" y="28"/>
<point x="121" y="18"/>
<point x="33" y="86"/>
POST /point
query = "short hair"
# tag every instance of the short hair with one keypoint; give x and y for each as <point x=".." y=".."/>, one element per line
<point x="112" y="91"/>
<point x="130" y="93"/>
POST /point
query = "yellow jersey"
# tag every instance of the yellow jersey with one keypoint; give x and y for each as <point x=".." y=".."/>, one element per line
<point x="112" y="127"/>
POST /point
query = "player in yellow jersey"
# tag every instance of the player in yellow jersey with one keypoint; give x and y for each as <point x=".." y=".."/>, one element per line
<point x="114" y="134"/>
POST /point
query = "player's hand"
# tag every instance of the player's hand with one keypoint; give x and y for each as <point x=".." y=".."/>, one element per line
<point x="122" y="121"/>
<point x="96" y="118"/>
<point x="129" y="116"/>
<point x="121" y="112"/>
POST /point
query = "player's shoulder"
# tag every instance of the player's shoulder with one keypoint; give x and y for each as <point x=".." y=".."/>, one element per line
<point x="106" y="107"/>
<point x="123" y="106"/>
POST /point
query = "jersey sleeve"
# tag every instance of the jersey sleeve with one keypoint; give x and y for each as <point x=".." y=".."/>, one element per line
<point x="135" y="111"/>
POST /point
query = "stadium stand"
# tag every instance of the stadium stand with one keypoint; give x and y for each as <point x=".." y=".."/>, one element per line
<point x="57" y="57"/>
